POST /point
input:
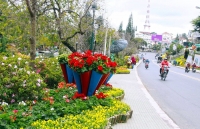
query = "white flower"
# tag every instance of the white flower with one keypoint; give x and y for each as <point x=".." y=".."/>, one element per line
<point x="20" y="69"/>
<point x="52" y="109"/>
<point x="38" y="84"/>
<point x="19" y="58"/>
<point x="2" y="64"/>
<point x="22" y="103"/>
<point x="39" y="80"/>
<point x="64" y="97"/>
<point x="5" y="57"/>
<point x="33" y="72"/>
<point x="34" y="102"/>
<point x="26" y="62"/>
<point x="24" y="81"/>
<point x="15" y="66"/>
<point x="4" y="104"/>
<point x="13" y="56"/>
<point x="9" y="65"/>
<point x="28" y="72"/>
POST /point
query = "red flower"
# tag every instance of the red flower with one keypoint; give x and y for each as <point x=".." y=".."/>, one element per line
<point x="109" y="85"/>
<point x="15" y="111"/>
<point x="101" y="95"/>
<point x="78" y="95"/>
<point x="100" y="68"/>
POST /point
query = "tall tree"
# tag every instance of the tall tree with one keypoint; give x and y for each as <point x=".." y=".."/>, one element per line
<point x="130" y="32"/>
<point x="177" y="38"/>
<point x="196" y="24"/>
<point x="31" y="5"/>
<point x="120" y="30"/>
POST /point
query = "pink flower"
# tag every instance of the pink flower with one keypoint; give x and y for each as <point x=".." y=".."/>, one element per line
<point x="67" y="100"/>
<point x="38" y="70"/>
<point x="15" y="111"/>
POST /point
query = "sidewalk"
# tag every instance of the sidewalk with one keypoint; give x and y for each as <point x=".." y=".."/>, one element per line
<point x="146" y="112"/>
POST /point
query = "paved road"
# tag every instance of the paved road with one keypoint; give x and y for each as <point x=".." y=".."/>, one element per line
<point x="178" y="96"/>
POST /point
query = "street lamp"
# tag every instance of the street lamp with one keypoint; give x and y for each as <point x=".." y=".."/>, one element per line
<point x="94" y="7"/>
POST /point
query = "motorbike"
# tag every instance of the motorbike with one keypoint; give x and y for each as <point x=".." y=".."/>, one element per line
<point x="159" y="59"/>
<point x="187" y="70"/>
<point x="146" y="65"/>
<point x="193" y="69"/>
<point x="164" y="72"/>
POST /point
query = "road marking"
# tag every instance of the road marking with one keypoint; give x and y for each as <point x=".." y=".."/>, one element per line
<point x="185" y="75"/>
<point x="181" y="73"/>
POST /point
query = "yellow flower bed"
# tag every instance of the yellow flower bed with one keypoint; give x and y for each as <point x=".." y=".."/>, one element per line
<point x="122" y="70"/>
<point x="181" y="61"/>
<point x="88" y="119"/>
<point x="114" y="92"/>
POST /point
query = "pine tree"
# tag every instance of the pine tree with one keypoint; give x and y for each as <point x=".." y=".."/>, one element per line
<point x="120" y="30"/>
<point x="177" y="38"/>
<point x="130" y="32"/>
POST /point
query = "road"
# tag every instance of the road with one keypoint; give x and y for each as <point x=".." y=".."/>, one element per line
<point x="178" y="96"/>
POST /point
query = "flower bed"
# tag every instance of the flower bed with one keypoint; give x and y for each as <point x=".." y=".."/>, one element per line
<point x="122" y="70"/>
<point x="53" y="104"/>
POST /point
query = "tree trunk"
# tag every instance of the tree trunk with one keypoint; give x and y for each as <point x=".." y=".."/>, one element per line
<point x="32" y="39"/>
<point x="31" y="5"/>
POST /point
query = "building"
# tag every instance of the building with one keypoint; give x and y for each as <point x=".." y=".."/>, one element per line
<point x="167" y="38"/>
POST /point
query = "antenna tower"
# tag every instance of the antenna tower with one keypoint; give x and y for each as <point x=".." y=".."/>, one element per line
<point x="147" y="23"/>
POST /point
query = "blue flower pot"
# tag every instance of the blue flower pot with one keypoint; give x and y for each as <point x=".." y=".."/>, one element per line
<point x="94" y="81"/>
<point x="69" y="74"/>
<point x="111" y="74"/>
<point x="78" y="81"/>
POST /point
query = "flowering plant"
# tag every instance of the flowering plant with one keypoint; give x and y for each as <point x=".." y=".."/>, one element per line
<point x="83" y="62"/>
<point x="62" y="59"/>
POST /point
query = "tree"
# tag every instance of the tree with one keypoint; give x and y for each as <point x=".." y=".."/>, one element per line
<point x="184" y="36"/>
<point x="177" y="38"/>
<point x="196" y="24"/>
<point x="120" y="27"/>
<point x="120" y="30"/>
<point x="130" y="32"/>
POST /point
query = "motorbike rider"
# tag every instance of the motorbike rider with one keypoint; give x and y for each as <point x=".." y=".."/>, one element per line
<point x="187" y="67"/>
<point x="147" y="61"/>
<point x="162" y="64"/>
<point x="194" y="65"/>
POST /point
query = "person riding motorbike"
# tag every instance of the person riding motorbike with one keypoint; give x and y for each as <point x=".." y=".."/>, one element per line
<point x="187" y="67"/>
<point x="147" y="61"/>
<point x="194" y="67"/>
<point x="143" y="60"/>
<point x="162" y="64"/>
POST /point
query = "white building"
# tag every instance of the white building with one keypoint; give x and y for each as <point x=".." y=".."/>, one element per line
<point x="167" y="38"/>
<point x="146" y="36"/>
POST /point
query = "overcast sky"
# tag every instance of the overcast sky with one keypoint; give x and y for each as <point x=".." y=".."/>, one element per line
<point x="172" y="16"/>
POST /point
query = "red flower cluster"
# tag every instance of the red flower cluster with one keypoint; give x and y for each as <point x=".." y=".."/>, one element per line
<point x="83" y="62"/>
<point x="101" y="95"/>
<point x="65" y="85"/>
<point x="79" y="95"/>
<point x="109" y="85"/>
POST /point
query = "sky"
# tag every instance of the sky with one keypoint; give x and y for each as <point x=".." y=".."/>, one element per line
<point x="172" y="16"/>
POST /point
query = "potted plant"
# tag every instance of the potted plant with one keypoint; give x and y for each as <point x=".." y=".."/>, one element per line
<point x="88" y="70"/>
